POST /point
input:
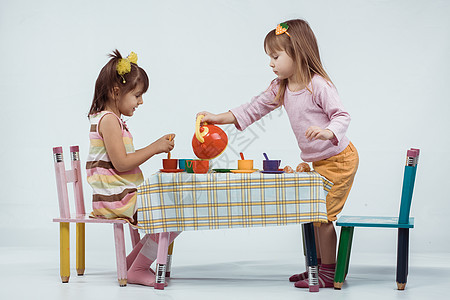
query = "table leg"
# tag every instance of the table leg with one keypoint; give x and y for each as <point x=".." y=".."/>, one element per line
<point x="304" y="248"/>
<point x="313" y="272"/>
<point x="169" y="259"/>
<point x="161" y="260"/>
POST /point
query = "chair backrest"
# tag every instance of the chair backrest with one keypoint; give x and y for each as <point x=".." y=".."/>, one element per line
<point x="409" y="177"/>
<point x="63" y="177"/>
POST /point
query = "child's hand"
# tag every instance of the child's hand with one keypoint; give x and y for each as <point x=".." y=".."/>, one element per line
<point x="208" y="117"/>
<point x="165" y="143"/>
<point x="223" y="118"/>
<point x="315" y="132"/>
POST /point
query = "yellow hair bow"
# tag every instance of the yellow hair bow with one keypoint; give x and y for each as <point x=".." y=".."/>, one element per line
<point x="124" y="65"/>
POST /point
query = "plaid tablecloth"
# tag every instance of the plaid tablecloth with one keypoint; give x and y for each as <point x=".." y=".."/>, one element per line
<point x="183" y="201"/>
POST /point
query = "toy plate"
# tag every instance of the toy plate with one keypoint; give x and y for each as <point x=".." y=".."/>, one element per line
<point x="244" y="171"/>
<point x="222" y="170"/>
<point x="171" y="170"/>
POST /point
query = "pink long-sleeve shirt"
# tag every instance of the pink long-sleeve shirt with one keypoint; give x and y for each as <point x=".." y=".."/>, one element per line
<point x="322" y="108"/>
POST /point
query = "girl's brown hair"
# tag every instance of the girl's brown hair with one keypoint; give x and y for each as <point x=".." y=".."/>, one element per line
<point x="108" y="79"/>
<point x="302" y="47"/>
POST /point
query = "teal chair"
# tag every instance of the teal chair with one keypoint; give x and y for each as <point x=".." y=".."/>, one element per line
<point x="403" y="223"/>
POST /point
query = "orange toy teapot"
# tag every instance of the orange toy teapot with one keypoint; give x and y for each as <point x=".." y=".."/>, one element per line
<point x="209" y="141"/>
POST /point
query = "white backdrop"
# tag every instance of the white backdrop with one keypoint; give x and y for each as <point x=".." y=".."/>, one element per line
<point x="388" y="59"/>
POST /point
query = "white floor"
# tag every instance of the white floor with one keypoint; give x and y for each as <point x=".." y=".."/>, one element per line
<point x="34" y="274"/>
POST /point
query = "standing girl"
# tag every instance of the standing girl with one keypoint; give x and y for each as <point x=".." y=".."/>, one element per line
<point x="319" y="122"/>
<point x="113" y="165"/>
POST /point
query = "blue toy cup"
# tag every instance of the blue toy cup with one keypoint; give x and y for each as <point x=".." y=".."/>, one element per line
<point x="182" y="163"/>
<point x="271" y="165"/>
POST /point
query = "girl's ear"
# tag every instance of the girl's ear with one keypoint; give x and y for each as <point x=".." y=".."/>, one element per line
<point x="116" y="91"/>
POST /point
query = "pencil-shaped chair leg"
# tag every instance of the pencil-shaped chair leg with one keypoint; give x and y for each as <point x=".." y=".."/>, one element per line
<point x="135" y="236"/>
<point x="402" y="257"/>
<point x="120" y="254"/>
<point x="64" y="254"/>
<point x="349" y="250"/>
<point x="80" y="262"/>
<point x="343" y="258"/>
<point x="313" y="271"/>
<point x="161" y="260"/>
<point x="169" y="259"/>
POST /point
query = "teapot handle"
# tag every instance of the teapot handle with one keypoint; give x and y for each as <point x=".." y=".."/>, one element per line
<point x="199" y="135"/>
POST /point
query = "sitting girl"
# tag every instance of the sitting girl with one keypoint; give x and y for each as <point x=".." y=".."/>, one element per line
<point x="113" y="164"/>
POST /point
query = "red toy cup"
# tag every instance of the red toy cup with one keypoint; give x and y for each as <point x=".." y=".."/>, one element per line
<point x="170" y="164"/>
<point x="200" y="166"/>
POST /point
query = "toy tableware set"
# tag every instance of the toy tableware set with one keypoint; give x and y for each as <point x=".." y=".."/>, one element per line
<point x="208" y="142"/>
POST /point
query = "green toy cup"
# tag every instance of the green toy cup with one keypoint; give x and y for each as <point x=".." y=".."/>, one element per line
<point x="189" y="165"/>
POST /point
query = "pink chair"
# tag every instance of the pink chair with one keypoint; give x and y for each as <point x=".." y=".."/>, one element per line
<point x="63" y="177"/>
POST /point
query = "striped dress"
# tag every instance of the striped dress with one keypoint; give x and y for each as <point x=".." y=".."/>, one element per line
<point x="114" y="192"/>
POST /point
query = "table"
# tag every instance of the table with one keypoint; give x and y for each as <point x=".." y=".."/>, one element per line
<point x="170" y="202"/>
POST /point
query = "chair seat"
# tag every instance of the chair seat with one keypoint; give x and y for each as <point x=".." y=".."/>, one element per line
<point x="369" y="221"/>
<point x="86" y="219"/>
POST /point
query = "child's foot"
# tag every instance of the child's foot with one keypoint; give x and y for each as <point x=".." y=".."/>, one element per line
<point x="140" y="272"/>
<point x="304" y="275"/>
<point x="140" y="276"/>
<point x="298" y="277"/>
<point x="305" y="283"/>
<point x="326" y="277"/>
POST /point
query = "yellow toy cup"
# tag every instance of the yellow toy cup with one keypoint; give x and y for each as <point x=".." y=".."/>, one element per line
<point x="245" y="164"/>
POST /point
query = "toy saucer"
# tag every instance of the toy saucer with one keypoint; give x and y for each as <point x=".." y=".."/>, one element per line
<point x="273" y="172"/>
<point x="222" y="170"/>
<point x="171" y="170"/>
<point x="244" y="171"/>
